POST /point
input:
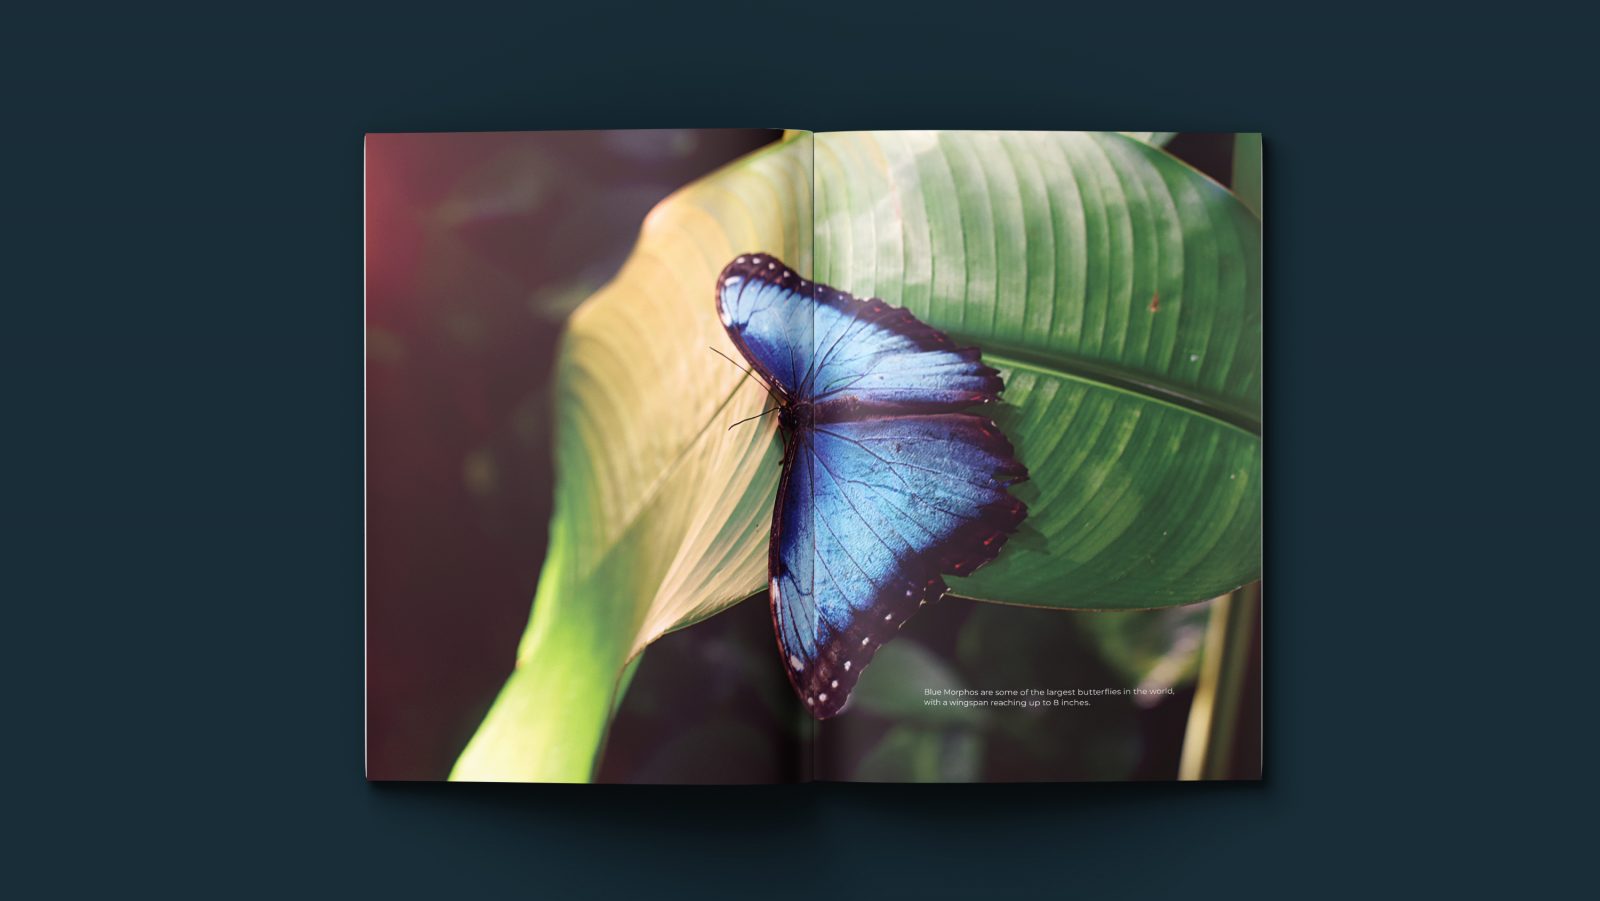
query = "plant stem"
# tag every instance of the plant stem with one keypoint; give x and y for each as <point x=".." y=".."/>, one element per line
<point x="550" y="720"/>
<point x="1247" y="169"/>
<point x="1225" y="662"/>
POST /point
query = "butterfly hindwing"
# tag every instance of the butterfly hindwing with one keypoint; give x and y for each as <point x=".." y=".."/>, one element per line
<point x="873" y="513"/>
<point x="886" y="486"/>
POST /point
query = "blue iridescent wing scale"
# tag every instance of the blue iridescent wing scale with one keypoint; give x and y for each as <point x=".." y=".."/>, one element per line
<point x="766" y="309"/>
<point x="887" y="487"/>
<point x="815" y="343"/>
<point x="872" y="514"/>
<point x="868" y="354"/>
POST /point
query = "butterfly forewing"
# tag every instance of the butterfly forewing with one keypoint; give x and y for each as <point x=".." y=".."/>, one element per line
<point x="766" y="309"/>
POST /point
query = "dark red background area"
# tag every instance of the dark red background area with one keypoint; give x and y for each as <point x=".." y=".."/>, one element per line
<point x="478" y="245"/>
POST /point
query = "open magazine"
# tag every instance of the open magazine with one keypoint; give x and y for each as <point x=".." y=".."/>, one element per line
<point x="704" y="456"/>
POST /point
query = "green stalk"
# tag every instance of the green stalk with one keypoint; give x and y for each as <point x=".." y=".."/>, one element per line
<point x="1247" y="169"/>
<point x="1224" y="664"/>
<point x="1214" y="716"/>
<point x="549" y="722"/>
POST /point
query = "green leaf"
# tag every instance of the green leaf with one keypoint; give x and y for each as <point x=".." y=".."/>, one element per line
<point x="1117" y="289"/>
<point x="661" y="512"/>
<point x="1119" y="292"/>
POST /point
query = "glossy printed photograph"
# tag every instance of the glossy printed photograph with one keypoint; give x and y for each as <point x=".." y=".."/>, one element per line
<point x="747" y="456"/>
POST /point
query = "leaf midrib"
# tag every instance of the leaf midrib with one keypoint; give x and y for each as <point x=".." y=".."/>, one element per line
<point x="1114" y="378"/>
<point x="1075" y="369"/>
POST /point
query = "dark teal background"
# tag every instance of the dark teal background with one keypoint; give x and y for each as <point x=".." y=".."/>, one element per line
<point x="183" y="348"/>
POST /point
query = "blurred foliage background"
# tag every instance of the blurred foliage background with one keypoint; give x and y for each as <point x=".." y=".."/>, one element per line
<point x="479" y="246"/>
<point x="707" y="703"/>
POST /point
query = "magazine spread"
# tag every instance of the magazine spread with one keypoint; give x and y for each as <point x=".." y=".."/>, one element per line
<point x="718" y="455"/>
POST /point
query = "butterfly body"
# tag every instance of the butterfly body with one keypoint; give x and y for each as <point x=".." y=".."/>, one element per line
<point x="887" y="484"/>
<point x="796" y="414"/>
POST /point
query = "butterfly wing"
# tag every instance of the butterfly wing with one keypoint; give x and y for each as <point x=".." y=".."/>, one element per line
<point x="815" y="343"/>
<point x="767" y="311"/>
<point x="869" y="356"/>
<point x="871" y="514"/>
<point x="886" y="487"/>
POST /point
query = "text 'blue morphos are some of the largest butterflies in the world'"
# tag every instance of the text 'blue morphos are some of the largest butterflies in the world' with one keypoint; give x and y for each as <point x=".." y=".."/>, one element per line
<point x="887" y="486"/>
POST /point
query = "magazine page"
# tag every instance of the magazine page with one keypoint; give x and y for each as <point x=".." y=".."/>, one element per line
<point x="1033" y="453"/>
<point x="721" y="456"/>
<point x="560" y="523"/>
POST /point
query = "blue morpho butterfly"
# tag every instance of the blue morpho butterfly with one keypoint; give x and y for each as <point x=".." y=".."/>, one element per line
<point x="886" y="487"/>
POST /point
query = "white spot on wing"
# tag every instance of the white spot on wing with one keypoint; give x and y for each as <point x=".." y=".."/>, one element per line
<point x="796" y="662"/>
<point x="732" y="280"/>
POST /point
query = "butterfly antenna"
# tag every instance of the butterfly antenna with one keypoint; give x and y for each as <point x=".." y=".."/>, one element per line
<point x="757" y="416"/>
<point x="747" y="372"/>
